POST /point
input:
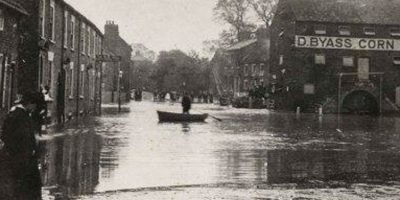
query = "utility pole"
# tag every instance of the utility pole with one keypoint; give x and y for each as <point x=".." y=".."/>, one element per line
<point x="119" y="85"/>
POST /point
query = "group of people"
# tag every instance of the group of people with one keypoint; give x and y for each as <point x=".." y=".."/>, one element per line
<point x="20" y="152"/>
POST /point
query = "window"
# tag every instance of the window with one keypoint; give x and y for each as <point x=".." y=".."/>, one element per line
<point x="344" y="30"/>
<point x="2" y="72"/>
<point x="395" y="31"/>
<point x="42" y="14"/>
<point x="348" y="61"/>
<point x="319" y="59"/>
<point x="66" y="29"/>
<point x="281" y="60"/>
<point x="72" y="32"/>
<point x="369" y="31"/>
<point x="87" y="38"/>
<point x="320" y="29"/>
<point x="262" y="66"/>
<point x="83" y="38"/>
<point x="52" y="20"/>
<point x="89" y="34"/>
<point x="246" y="69"/>
<point x="1" y="20"/>
<point x="49" y="71"/>
<point x="396" y="60"/>
<point x="82" y="81"/>
<point x="95" y="44"/>
<point x="70" y="80"/>
<point x="41" y="65"/>
<point x="309" y="89"/>
<point x="245" y="84"/>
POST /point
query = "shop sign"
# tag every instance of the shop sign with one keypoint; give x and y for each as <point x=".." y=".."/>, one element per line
<point x="347" y="43"/>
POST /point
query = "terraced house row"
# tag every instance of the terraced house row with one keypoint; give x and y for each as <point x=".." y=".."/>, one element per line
<point x="49" y="46"/>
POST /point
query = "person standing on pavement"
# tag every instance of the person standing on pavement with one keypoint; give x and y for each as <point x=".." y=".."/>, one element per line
<point x="186" y="103"/>
<point x="21" y="148"/>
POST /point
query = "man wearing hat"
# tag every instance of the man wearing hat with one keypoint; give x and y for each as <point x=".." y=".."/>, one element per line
<point x="21" y="147"/>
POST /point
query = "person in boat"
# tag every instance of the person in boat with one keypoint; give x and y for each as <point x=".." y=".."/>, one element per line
<point x="186" y="103"/>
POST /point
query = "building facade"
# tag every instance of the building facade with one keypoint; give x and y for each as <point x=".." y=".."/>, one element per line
<point x="343" y="56"/>
<point x="251" y="62"/>
<point x="122" y="71"/>
<point x="64" y="66"/>
<point x="11" y="14"/>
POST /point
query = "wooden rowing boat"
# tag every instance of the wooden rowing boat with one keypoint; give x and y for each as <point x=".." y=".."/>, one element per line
<point x="180" y="117"/>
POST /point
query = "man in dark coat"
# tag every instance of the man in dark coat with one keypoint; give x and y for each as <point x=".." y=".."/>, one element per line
<point x="186" y="103"/>
<point x="21" y="148"/>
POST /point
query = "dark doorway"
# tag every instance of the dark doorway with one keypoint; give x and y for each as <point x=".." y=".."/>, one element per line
<point x="360" y="102"/>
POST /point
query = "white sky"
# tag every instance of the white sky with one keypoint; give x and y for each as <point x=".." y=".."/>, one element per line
<point x="158" y="24"/>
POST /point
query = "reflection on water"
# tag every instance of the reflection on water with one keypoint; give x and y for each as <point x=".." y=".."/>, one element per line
<point x="71" y="162"/>
<point x="247" y="146"/>
<point x="294" y="166"/>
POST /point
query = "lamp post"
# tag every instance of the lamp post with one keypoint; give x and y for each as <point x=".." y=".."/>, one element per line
<point x="119" y="87"/>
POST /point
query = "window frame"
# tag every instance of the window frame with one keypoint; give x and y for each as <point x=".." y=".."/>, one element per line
<point x="348" y="57"/>
<point x="66" y="22"/>
<point x="82" y="81"/>
<point x="320" y="29"/>
<point x="72" y="32"/>
<point x="322" y="56"/>
<point x="2" y="20"/>
<point x="344" y="30"/>
<point x="370" y="32"/>
<point x="52" y="20"/>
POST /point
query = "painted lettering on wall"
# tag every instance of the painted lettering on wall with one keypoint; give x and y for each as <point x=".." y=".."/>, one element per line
<point x="319" y="42"/>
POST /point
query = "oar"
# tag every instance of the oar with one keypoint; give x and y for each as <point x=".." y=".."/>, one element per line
<point x="219" y="119"/>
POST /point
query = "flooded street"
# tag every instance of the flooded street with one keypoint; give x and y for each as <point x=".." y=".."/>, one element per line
<point x="250" y="154"/>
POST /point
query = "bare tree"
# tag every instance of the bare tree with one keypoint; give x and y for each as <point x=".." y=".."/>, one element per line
<point x="234" y="12"/>
<point x="265" y="10"/>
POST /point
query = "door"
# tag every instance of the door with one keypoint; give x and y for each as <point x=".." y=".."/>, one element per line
<point x="363" y="68"/>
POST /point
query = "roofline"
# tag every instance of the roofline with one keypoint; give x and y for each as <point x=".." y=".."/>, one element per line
<point x="87" y="21"/>
<point x="346" y="23"/>
<point x="17" y="7"/>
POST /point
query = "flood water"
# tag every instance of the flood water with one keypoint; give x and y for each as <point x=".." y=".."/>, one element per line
<point x="251" y="148"/>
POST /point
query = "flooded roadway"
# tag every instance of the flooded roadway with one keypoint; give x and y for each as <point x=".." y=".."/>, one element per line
<point x="250" y="154"/>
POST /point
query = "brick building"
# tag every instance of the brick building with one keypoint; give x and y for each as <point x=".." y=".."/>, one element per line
<point x="117" y="46"/>
<point x="65" y="62"/>
<point x="250" y="60"/>
<point x="343" y="55"/>
<point x="11" y="14"/>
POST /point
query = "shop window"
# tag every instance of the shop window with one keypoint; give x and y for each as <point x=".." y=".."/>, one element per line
<point x="344" y="30"/>
<point x="395" y="31"/>
<point x="1" y="20"/>
<point x="281" y="60"/>
<point x="348" y="61"/>
<point x="320" y="29"/>
<point x="369" y="31"/>
<point x="319" y="59"/>
<point x="396" y="60"/>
